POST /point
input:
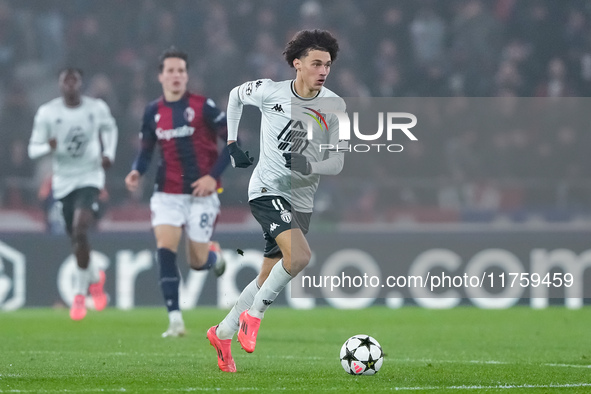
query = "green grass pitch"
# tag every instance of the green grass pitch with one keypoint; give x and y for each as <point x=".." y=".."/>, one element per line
<point x="461" y="350"/>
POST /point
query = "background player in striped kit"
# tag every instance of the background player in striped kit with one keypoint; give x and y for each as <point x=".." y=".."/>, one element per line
<point x="284" y="181"/>
<point x="81" y="135"/>
<point x="186" y="126"/>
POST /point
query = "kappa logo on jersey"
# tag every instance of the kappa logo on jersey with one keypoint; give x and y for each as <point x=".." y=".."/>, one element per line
<point x="318" y="117"/>
<point x="293" y="137"/>
<point x="189" y="114"/>
<point x="156" y="118"/>
<point x="278" y="108"/>
<point x="179" y="132"/>
<point x="258" y="84"/>
<point x="273" y="227"/>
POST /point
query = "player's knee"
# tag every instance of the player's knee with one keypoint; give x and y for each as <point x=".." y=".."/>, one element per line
<point x="298" y="265"/>
<point x="299" y="261"/>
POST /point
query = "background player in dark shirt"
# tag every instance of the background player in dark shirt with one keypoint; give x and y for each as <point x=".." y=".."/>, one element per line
<point x="186" y="126"/>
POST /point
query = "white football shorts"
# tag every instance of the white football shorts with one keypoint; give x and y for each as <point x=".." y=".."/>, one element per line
<point x="196" y="214"/>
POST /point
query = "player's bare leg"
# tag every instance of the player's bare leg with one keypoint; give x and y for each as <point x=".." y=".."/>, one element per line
<point x="81" y="223"/>
<point x="167" y="241"/>
<point x="83" y="219"/>
<point x="206" y="255"/>
<point x="296" y="256"/>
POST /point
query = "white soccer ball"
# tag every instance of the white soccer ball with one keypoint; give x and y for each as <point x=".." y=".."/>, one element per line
<point x="361" y="355"/>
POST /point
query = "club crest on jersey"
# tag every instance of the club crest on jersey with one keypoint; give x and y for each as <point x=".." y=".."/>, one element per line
<point x="189" y="114"/>
<point x="285" y="216"/>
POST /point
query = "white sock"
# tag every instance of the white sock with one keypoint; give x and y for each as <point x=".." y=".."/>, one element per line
<point x="228" y="327"/>
<point x="175" y="316"/>
<point x="82" y="285"/>
<point x="93" y="276"/>
<point x="277" y="280"/>
<point x="93" y="272"/>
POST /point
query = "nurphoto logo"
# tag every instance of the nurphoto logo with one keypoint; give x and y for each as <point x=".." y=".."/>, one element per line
<point x="391" y="119"/>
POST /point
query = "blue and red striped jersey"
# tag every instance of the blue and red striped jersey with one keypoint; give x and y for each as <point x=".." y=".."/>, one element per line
<point x="187" y="131"/>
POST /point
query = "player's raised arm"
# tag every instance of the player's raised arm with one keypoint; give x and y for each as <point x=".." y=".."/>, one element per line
<point x="39" y="144"/>
<point x="238" y="157"/>
<point x="233" y="115"/>
<point x="109" y="134"/>
<point x="249" y="93"/>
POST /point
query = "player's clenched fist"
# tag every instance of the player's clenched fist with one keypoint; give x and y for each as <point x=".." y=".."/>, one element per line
<point x="238" y="157"/>
<point x="297" y="162"/>
<point x="106" y="163"/>
<point x="132" y="180"/>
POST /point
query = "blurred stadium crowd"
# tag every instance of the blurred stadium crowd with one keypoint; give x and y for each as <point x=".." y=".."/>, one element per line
<point x="421" y="48"/>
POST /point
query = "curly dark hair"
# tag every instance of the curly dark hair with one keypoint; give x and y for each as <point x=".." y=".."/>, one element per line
<point x="173" y="52"/>
<point x="306" y="40"/>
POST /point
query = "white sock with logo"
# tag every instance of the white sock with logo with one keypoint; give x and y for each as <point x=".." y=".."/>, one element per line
<point x="277" y="280"/>
<point x="228" y="327"/>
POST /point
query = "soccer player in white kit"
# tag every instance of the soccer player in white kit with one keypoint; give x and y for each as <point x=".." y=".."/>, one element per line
<point x="283" y="183"/>
<point x="81" y="135"/>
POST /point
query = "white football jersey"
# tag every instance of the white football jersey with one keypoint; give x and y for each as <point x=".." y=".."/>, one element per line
<point x="79" y="133"/>
<point x="283" y="130"/>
